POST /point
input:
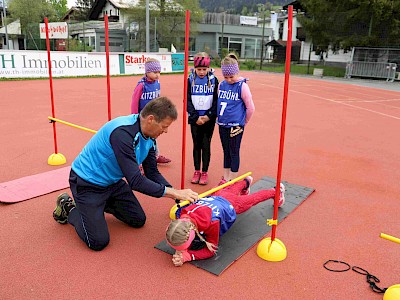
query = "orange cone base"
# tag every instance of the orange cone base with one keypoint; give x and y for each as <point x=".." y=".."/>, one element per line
<point x="392" y="293"/>
<point x="271" y="250"/>
<point x="56" y="159"/>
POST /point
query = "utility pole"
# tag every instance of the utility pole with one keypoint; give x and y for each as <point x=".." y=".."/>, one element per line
<point x="147" y="26"/>
<point x="222" y="33"/>
<point x="262" y="6"/>
<point x="4" y="22"/>
<point x="155" y="35"/>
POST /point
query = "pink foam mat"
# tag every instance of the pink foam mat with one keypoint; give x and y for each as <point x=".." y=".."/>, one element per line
<point x="29" y="187"/>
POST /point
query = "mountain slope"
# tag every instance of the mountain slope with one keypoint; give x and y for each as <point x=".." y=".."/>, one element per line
<point x="236" y="6"/>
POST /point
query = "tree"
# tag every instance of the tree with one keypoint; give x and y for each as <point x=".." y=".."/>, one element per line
<point x="167" y="21"/>
<point x="28" y="11"/>
<point x="60" y="7"/>
<point x="31" y="13"/>
<point x="348" y="23"/>
<point x="83" y="7"/>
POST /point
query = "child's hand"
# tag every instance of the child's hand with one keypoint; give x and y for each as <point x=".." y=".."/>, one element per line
<point x="200" y="121"/>
<point x="205" y="119"/>
<point x="177" y="259"/>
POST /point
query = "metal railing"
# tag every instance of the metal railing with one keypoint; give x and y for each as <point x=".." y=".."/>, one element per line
<point x="371" y="70"/>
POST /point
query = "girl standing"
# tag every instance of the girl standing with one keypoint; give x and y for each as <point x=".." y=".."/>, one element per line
<point x="202" y="95"/>
<point x="234" y="110"/>
<point x="147" y="89"/>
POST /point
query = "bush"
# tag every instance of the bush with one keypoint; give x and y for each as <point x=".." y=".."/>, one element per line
<point x="76" y="45"/>
<point x="250" y="64"/>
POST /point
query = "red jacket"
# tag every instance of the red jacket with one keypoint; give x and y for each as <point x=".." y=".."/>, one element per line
<point x="201" y="216"/>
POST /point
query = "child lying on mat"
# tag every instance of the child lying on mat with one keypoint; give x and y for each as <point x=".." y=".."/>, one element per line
<point x="196" y="231"/>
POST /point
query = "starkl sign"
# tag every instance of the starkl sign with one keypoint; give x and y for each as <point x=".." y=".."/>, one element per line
<point x="57" y="30"/>
<point x="134" y="62"/>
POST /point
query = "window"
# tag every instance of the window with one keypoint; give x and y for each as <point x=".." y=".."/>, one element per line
<point x="252" y="48"/>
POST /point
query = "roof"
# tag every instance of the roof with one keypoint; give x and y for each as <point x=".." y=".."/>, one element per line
<point x="296" y="6"/>
<point x="73" y="10"/>
<point x="98" y="6"/>
<point x="282" y="43"/>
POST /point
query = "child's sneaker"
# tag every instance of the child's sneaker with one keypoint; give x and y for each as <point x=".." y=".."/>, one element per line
<point x="282" y="195"/>
<point x="141" y="169"/>
<point x="64" y="205"/>
<point x="222" y="181"/>
<point x="203" y="178"/>
<point x="246" y="190"/>
<point x="162" y="159"/>
<point x="196" y="177"/>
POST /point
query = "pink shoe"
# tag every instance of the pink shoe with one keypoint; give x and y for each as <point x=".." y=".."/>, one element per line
<point x="246" y="190"/>
<point x="282" y="195"/>
<point x="222" y="181"/>
<point x="162" y="159"/>
<point x="203" y="178"/>
<point x="196" y="177"/>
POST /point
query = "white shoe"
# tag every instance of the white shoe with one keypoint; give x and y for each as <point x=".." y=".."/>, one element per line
<point x="249" y="181"/>
<point x="282" y="195"/>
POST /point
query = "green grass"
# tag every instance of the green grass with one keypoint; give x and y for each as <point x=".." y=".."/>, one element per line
<point x="302" y="69"/>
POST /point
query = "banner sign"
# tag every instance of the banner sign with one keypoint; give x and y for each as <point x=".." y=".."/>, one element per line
<point x="178" y="61"/>
<point x="134" y="62"/>
<point x="34" y="64"/>
<point x="245" y="20"/>
<point x="57" y="30"/>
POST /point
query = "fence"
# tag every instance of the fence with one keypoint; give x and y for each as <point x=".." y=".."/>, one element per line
<point x="371" y="70"/>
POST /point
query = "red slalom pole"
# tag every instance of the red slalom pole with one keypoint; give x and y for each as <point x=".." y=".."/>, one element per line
<point x="46" y="22"/>
<point x="283" y="121"/>
<point x="185" y="87"/>
<point x="107" y="66"/>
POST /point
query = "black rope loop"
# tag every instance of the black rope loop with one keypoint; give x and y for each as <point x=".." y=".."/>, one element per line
<point x="371" y="279"/>
<point x="360" y="270"/>
<point x="337" y="262"/>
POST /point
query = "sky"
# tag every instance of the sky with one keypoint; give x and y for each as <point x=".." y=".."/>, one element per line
<point x="71" y="3"/>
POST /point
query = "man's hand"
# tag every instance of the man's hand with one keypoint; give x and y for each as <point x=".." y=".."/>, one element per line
<point x="182" y="195"/>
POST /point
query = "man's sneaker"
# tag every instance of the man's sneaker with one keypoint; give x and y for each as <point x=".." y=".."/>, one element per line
<point x="246" y="190"/>
<point x="162" y="159"/>
<point x="282" y="195"/>
<point x="64" y="205"/>
<point x="196" y="177"/>
<point x="203" y="178"/>
<point x="222" y="181"/>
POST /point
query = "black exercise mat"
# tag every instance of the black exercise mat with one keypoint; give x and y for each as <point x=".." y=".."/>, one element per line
<point x="249" y="227"/>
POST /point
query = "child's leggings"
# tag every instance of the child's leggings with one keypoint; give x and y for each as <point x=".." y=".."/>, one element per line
<point x="242" y="203"/>
<point x="201" y="136"/>
<point x="231" y="148"/>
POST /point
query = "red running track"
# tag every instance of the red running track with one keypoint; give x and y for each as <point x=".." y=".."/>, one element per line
<point x="341" y="139"/>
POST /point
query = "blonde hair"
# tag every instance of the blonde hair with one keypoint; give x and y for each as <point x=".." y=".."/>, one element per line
<point x="234" y="56"/>
<point x="202" y="54"/>
<point x="150" y="59"/>
<point x="228" y="60"/>
<point x="178" y="232"/>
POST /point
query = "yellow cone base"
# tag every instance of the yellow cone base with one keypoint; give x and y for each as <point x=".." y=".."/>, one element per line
<point x="56" y="159"/>
<point x="392" y="293"/>
<point x="271" y="250"/>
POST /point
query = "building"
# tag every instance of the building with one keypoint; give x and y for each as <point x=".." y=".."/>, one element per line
<point x="241" y="34"/>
